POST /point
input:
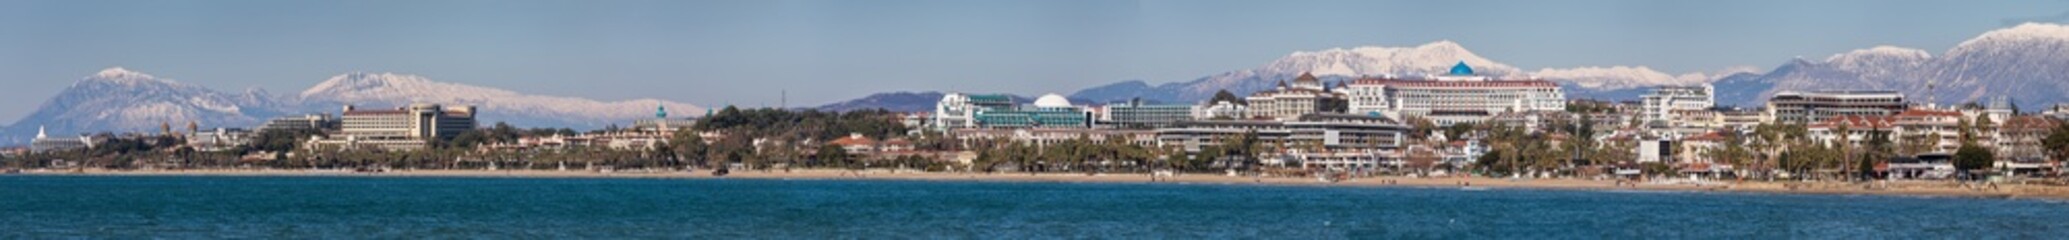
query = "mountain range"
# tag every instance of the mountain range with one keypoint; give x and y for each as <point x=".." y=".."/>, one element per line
<point x="909" y="102"/>
<point x="121" y="100"/>
<point x="2028" y="62"/>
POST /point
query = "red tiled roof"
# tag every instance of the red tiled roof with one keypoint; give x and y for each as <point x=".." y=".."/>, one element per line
<point x="1855" y="121"/>
<point x="854" y="141"/>
<point x="1928" y="113"/>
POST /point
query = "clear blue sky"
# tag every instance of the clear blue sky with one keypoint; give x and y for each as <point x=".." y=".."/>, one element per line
<point x="746" y="52"/>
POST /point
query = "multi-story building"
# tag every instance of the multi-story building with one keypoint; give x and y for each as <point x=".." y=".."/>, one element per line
<point x="2058" y="111"/>
<point x="222" y="139"/>
<point x="405" y="128"/>
<point x="318" y="122"/>
<point x="1049" y="111"/>
<point x="1814" y="107"/>
<point x="1854" y="130"/>
<point x="1136" y="114"/>
<point x="1325" y="136"/>
<point x="1660" y="104"/>
<point x="957" y="110"/>
<point x="1936" y="130"/>
<point x="1460" y="97"/>
<point x="44" y="143"/>
<point x="1222" y="110"/>
<point x="1332" y="131"/>
<point x="1044" y="137"/>
<point x="1305" y="96"/>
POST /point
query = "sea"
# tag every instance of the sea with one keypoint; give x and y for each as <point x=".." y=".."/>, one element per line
<point x="226" y="207"/>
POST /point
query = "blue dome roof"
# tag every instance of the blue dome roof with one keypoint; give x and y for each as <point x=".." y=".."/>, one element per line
<point x="1461" y="69"/>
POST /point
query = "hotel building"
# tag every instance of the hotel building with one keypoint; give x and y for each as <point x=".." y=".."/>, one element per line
<point x="317" y="122"/>
<point x="957" y="110"/>
<point x="1663" y="101"/>
<point x="1049" y="111"/>
<point x="405" y="128"/>
<point x="1814" y="107"/>
<point x="1459" y="97"/>
<point x="44" y="143"/>
<point x="1136" y="114"/>
<point x="1305" y="96"/>
<point x="1343" y="140"/>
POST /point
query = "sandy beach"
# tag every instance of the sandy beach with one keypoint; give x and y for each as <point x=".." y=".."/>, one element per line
<point x="1904" y="188"/>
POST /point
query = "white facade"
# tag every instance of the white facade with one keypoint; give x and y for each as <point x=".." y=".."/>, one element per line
<point x="1460" y="96"/>
<point x="44" y="143"/>
<point x="957" y="110"/>
<point x="1813" y="107"/>
<point x="405" y="128"/>
<point x="1452" y="102"/>
<point x="1663" y="101"/>
<point x="1305" y="96"/>
<point x="1221" y="110"/>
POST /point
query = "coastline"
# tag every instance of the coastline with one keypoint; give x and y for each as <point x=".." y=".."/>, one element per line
<point x="1892" y="188"/>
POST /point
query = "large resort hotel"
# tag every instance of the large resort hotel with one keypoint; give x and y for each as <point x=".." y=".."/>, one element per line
<point x="1461" y="96"/>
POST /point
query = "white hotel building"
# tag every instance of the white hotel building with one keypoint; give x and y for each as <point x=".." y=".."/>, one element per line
<point x="1459" y="97"/>
<point x="1663" y="101"/>
<point x="406" y="128"/>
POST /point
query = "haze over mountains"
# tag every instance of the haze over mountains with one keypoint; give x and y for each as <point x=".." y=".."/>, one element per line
<point x="121" y="100"/>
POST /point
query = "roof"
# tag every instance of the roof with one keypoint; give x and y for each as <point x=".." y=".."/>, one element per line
<point x="1307" y="78"/>
<point x="1857" y="121"/>
<point x="1927" y="113"/>
<point x="375" y="112"/>
<point x="853" y="140"/>
<point x="1454" y="84"/>
<point x="1707" y="137"/>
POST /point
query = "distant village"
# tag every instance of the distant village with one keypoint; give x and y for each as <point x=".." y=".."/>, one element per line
<point x="1445" y="124"/>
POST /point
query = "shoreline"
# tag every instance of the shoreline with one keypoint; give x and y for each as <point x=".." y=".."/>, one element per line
<point x="1890" y="188"/>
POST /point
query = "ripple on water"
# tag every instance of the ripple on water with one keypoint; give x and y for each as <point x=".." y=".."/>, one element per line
<point x="335" y="207"/>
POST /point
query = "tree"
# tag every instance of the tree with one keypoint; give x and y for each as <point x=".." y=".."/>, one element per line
<point x="1224" y="95"/>
<point x="1971" y="157"/>
<point x="2057" y="142"/>
<point x="833" y="155"/>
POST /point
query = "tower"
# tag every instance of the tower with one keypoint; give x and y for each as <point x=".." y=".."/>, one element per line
<point x="660" y="111"/>
<point x="661" y="118"/>
<point x="193" y="127"/>
<point x="39" y="133"/>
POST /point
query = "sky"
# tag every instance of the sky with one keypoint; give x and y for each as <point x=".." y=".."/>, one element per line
<point x="755" y="53"/>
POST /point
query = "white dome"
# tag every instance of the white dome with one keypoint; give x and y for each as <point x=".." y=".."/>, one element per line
<point x="1052" y="101"/>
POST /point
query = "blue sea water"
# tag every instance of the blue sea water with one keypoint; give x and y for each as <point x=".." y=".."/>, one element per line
<point x="41" y="207"/>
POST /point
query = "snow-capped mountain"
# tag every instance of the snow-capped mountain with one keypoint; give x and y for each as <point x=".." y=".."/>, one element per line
<point x="389" y="90"/>
<point x="120" y="100"/>
<point x="1341" y="64"/>
<point x="913" y="102"/>
<point x="2029" y="63"/>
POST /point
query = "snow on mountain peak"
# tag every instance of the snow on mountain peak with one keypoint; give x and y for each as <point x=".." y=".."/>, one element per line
<point x="365" y="81"/>
<point x="2034" y="39"/>
<point x="1619" y="77"/>
<point x="1882" y="51"/>
<point x="2031" y="30"/>
<point x="120" y="73"/>
<point x="1433" y="57"/>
